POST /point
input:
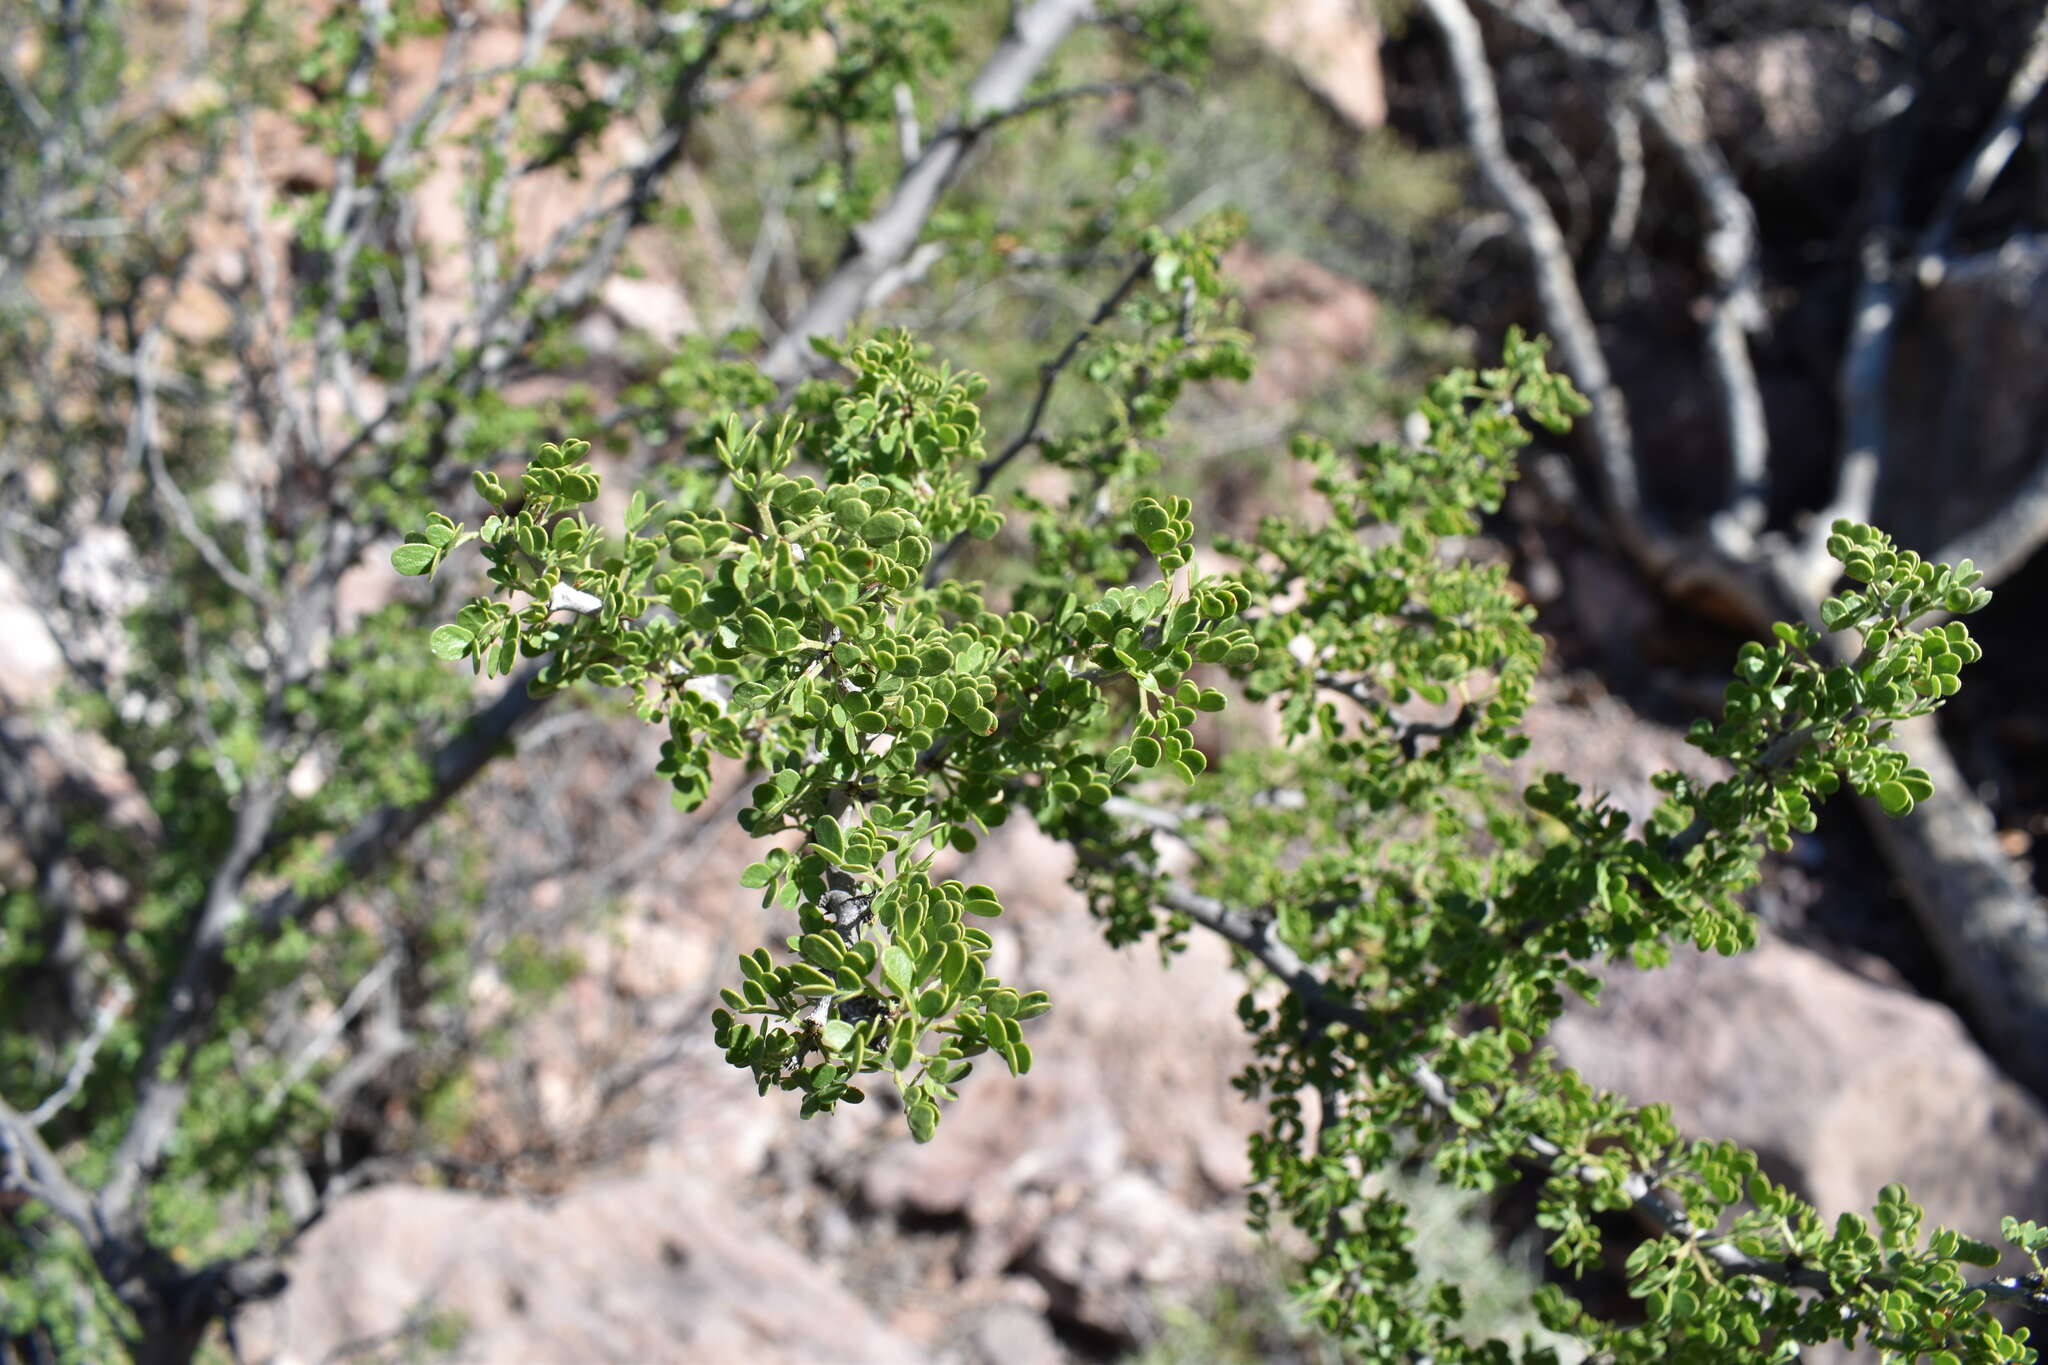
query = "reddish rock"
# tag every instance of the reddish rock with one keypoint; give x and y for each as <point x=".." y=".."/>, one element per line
<point x="655" y="1267"/>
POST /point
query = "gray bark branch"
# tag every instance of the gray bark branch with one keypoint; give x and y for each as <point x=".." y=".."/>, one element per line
<point x="1990" y="929"/>
<point x="885" y="240"/>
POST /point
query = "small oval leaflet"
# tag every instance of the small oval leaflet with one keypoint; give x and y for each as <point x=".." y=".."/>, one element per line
<point x="413" y="560"/>
<point x="450" y="642"/>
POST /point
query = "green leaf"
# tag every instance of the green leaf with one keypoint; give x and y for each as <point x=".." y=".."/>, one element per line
<point x="836" y="1035"/>
<point x="1895" y="798"/>
<point x="822" y="950"/>
<point x="414" y="560"/>
<point x="1972" y="1252"/>
<point x="898" y="970"/>
<point x="450" y="642"/>
<point x="924" y="1120"/>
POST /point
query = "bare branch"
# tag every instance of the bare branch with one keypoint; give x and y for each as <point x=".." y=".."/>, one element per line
<point x="1548" y="20"/>
<point x="1048" y="379"/>
<point x="1557" y="285"/>
<point x="1673" y="106"/>
<point x="1669" y="99"/>
<point x="193" y="995"/>
<point x="308" y="1054"/>
<point x="377" y="836"/>
<point x="1987" y="924"/>
<point x="115" y="1001"/>
<point x="143" y="443"/>
<point x="1627" y="130"/>
<point x="1093" y="90"/>
<point x="1577" y="222"/>
<point x="909" y="139"/>
<point x="2008" y="538"/>
<point x="27" y="1165"/>
<point x="1977" y="908"/>
<point x="887" y="238"/>
<point x="471" y="356"/>
<point x="1988" y="159"/>
<point x="904" y="274"/>
<point x="1049" y="376"/>
<point x="204" y="973"/>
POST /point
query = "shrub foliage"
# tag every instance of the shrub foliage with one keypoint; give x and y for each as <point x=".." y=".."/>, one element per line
<point x="1408" y="928"/>
<point x="840" y="586"/>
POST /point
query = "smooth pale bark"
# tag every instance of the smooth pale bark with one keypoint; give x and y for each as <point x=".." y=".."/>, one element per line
<point x="884" y="241"/>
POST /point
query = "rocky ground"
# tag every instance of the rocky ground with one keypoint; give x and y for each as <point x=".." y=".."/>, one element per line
<point x="1057" y="1217"/>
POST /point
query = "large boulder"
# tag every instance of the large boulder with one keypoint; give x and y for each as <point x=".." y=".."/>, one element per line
<point x="653" y="1267"/>
<point x="1840" y="1084"/>
<point x="1840" y="1078"/>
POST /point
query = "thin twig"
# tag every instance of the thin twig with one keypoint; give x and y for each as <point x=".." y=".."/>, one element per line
<point x="1093" y="90"/>
<point x="1989" y="158"/>
<point x="1048" y="379"/>
<point x="28" y="1165"/>
<point x="1327" y="1004"/>
<point x="110" y="1009"/>
<point x="142" y="437"/>
<point x="329" y="1033"/>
